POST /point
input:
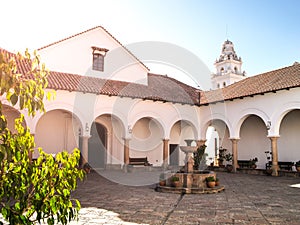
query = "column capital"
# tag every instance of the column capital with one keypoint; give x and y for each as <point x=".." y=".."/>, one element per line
<point x="274" y="137"/>
<point x="126" y="138"/>
<point x="166" y="139"/>
<point x="234" y="139"/>
<point x="86" y="136"/>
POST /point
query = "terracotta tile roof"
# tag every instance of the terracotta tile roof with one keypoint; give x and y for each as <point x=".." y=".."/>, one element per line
<point x="91" y="29"/>
<point x="167" y="89"/>
<point x="284" y="78"/>
<point x="159" y="88"/>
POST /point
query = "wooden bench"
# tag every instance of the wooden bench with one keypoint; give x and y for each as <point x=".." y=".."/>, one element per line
<point x="282" y="165"/>
<point x="139" y="161"/>
<point x="245" y="163"/>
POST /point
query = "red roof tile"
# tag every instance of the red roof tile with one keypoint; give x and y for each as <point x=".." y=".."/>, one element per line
<point x="159" y="88"/>
<point x="284" y="78"/>
<point x="167" y="89"/>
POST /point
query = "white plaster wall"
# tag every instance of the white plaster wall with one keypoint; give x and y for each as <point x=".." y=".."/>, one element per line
<point x="74" y="55"/>
<point x="289" y="141"/>
<point x="56" y="132"/>
<point x="254" y="141"/>
<point x="147" y="141"/>
<point x="269" y="107"/>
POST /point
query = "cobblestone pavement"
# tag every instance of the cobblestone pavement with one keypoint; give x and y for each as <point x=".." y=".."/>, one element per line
<point x="247" y="199"/>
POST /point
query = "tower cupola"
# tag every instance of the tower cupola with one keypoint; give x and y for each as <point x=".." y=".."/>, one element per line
<point x="228" y="67"/>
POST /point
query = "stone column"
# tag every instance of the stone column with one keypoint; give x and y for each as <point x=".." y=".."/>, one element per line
<point x="126" y="151"/>
<point x="126" y="154"/>
<point x="200" y="142"/>
<point x="165" y="152"/>
<point x="85" y="149"/>
<point x="275" y="166"/>
<point x="234" y="154"/>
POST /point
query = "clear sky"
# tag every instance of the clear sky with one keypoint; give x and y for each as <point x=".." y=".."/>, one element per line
<point x="266" y="33"/>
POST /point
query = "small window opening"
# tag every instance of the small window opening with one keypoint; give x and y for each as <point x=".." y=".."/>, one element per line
<point x="98" y="62"/>
<point x="98" y="58"/>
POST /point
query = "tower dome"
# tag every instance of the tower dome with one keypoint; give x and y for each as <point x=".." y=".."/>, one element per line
<point x="228" y="67"/>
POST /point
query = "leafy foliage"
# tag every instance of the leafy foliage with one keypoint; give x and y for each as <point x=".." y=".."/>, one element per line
<point x="40" y="190"/>
<point x="198" y="155"/>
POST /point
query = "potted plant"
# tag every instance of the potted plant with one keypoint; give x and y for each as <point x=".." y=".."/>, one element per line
<point x="217" y="182"/>
<point x="228" y="158"/>
<point x="211" y="182"/>
<point x="222" y="152"/>
<point x="198" y="155"/>
<point x="253" y="163"/>
<point x="162" y="180"/>
<point x="175" y="181"/>
<point x="297" y="165"/>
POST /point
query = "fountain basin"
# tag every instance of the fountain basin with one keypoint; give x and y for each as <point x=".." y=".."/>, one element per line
<point x="190" y="183"/>
<point x="188" y="149"/>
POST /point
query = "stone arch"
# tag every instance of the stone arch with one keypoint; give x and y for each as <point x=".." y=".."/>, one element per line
<point x="179" y="131"/>
<point x="245" y="114"/>
<point x="254" y="141"/>
<point x="115" y="119"/>
<point x="288" y="142"/>
<point x="215" y="117"/>
<point x="106" y="142"/>
<point x="75" y="111"/>
<point x="183" y="123"/>
<point x="148" y="114"/>
<point x="58" y="130"/>
<point x="280" y="114"/>
<point x="11" y="114"/>
<point x="146" y="139"/>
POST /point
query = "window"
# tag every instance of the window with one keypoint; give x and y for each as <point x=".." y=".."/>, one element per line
<point x="98" y="62"/>
<point x="98" y="58"/>
<point x="224" y="84"/>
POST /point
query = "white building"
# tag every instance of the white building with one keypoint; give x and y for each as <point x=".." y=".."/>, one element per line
<point x="110" y="106"/>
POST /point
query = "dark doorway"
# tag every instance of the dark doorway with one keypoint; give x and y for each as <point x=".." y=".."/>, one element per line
<point x="174" y="154"/>
<point x="97" y="146"/>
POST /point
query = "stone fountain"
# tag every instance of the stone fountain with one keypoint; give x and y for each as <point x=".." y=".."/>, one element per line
<point x="191" y="181"/>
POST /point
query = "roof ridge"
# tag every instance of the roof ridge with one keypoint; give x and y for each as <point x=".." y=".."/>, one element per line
<point x="94" y="28"/>
<point x="173" y="79"/>
<point x="69" y="37"/>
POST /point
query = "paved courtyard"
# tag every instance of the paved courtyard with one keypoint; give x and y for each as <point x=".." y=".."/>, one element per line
<point x="248" y="199"/>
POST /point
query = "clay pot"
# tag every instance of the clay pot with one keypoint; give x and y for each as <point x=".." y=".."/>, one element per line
<point x="162" y="183"/>
<point x="211" y="184"/>
<point x="175" y="184"/>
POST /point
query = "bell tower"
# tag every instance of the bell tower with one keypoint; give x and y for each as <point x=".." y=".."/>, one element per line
<point x="228" y="67"/>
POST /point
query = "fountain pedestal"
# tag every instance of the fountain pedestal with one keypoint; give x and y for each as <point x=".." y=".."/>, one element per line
<point x="192" y="182"/>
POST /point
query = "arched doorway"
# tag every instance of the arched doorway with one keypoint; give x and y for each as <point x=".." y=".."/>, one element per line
<point x="289" y="141"/>
<point x="180" y="131"/>
<point x="57" y="130"/>
<point x="97" y="145"/>
<point x="253" y="141"/>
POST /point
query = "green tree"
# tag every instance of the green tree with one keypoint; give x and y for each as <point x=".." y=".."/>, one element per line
<point x="35" y="191"/>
